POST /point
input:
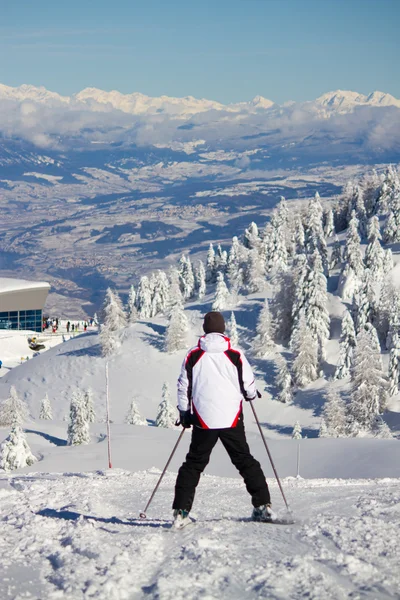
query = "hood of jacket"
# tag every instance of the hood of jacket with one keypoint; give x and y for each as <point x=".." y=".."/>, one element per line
<point x="214" y="343"/>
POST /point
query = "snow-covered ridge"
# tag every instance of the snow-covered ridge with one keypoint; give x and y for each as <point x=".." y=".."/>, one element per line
<point x="139" y="104"/>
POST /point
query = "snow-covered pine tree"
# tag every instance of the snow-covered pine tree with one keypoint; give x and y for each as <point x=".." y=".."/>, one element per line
<point x="297" y="432"/>
<point x="264" y="344"/>
<point x="393" y="320"/>
<point x="334" y="413"/>
<point x="360" y="212"/>
<point x="352" y="253"/>
<point x="78" y="428"/>
<point x="201" y="280"/>
<point x="329" y="224"/>
<point x="45" y="409"/>
<point x="369" y="385"/>
<point x="255" y="278"/>
<point x="143" y="298"/>
<point x="114" y="319"/>
<point x="391" y="231"/>
<point x="323" y="431"/>
<point x="299" y="235"/>
<point x="89" y="406"/>
<point x="177" y="330"/>
<point x="251" y="239"/>
<point x="15" y="452"/>
<point x="347" y="344"/>
<point x="299" y="291"/>
<point x="374" y="253"/>
<point x="232" y="329"/>
<point x="161" y="293"/>
<point x="336" y="255"/>
<point x="167" y="414"/>
<point x="284" y="381"/>
<point x="316" y="311"/>
<point x="234" y="266"/>
<point x="282" y="308"/>
<point x="221" y="259"/>
<point x="210" y="265"/>
<point x="133" y="416"/>
<point x="363" y="306"/>
<point x="187" y="277"/>
<point x="370" y="184"/>
<point x="384" y="309"/>
<point x="222" y="295"/>
<point x="131" y="308"/>
<point x="387" y="265"/>
<point x="380" y="429"/>
<point x="305" y="351"/>
<point x="394" y="365"/>
<point x="277" y="249"/>
<point x="314" y="233"/>
<point x="175" y="295"/>
<point x="13" y="410"/>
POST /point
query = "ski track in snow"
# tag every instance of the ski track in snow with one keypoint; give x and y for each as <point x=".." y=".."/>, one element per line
<point x="76" y="536"/>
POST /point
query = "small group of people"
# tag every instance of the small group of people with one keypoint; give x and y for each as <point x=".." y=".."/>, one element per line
<point x="75" y="326"/>
<point x="50" y="323"/>
<point x="214" y="380"/>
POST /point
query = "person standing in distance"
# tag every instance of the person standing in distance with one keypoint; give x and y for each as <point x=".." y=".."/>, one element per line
<point x="213" y="381"/>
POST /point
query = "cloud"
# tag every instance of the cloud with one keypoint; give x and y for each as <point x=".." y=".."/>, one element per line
<point x="58" y="124"/>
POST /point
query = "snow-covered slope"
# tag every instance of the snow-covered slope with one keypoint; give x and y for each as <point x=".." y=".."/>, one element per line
<point x="346" y="101"/>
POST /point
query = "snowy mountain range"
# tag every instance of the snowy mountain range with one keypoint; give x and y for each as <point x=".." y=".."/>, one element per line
<point x="139" y="104"/>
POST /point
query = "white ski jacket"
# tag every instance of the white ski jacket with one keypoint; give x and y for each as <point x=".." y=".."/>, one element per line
<point x="214" y="379"/>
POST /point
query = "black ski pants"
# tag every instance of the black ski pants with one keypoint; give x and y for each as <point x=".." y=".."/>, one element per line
<point x="234" y="442"/>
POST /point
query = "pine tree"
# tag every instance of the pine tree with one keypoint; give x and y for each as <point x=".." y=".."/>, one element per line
<point x="336" y="255"/>
<point x="329" y="227"/>
<point x="201" y="280"/>
<point x="334" y="414"/>
<point x="352" y="254"/>
<point x="297" y="432"/>
<point x="210" y="265"/>
<point x="391" y="232"/>
<point x="175" y="295"/>
<point x="387" y="265"/>
<point x="314" y="233"/>
<point x="166" y="415"/>
<point x="374" y="253"/>
<point x="232" y="329"/>
<point x="114" y="320"/>
<point x="255" y="279"/>
<point x="235" y="273"/>
<point x="393" y="320"/>
<point x="316" y="311"/>
<point x="177" y="330"/>
<point x="187" y="277"/>
<point x="299" y="235"/>
<point x="15" y="452"/>
<point x="360" y="212"/>
<point x="386" y="308"/>
<point x="131" y="308"/>
<point x="368" y="397"/>
<point x="282" y="308"/>
<point x="277" y="248"/>
<point x="251" y="239"/>
<point x="143" y="298"/>
<point x="284" y="381"/>
<point x="300" y="274"/>
<point x="45" y="409"/>
<point x="133" y="416"/>
<point x="305" y="350"/>
<point x="363" y="307"/>
<point x="161" y="293"/>
<point x="323" y="431"/>
<point x="222" y="295"/>
<point x="264" y="344"/>
<point x="394" y="366"/>
<point x="89" y="406"/>
<point x="347" y="344"/>
<point x="78" y="428"/>
<point x="13" y="410"/>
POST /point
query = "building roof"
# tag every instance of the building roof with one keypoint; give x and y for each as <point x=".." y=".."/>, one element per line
<point x="8" y="284"/>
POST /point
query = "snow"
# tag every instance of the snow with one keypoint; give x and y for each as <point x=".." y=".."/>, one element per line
<point x="8" y="284"/>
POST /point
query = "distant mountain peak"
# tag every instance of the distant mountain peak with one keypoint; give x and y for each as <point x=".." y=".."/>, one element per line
<point x="345" y="100"/>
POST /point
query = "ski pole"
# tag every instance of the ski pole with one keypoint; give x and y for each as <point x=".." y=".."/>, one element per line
<point x="143" y="514"/>
<point x="269" y="455"/>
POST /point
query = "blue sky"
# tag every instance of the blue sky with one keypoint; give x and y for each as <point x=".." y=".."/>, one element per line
<point x="222" y="50"/>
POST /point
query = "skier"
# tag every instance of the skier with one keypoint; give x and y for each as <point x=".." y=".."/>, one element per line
<point x="213" y="380"/>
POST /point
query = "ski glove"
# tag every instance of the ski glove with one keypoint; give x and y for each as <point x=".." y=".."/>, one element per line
<point x="251" y="399"/>
<point x="185" y="419"/>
